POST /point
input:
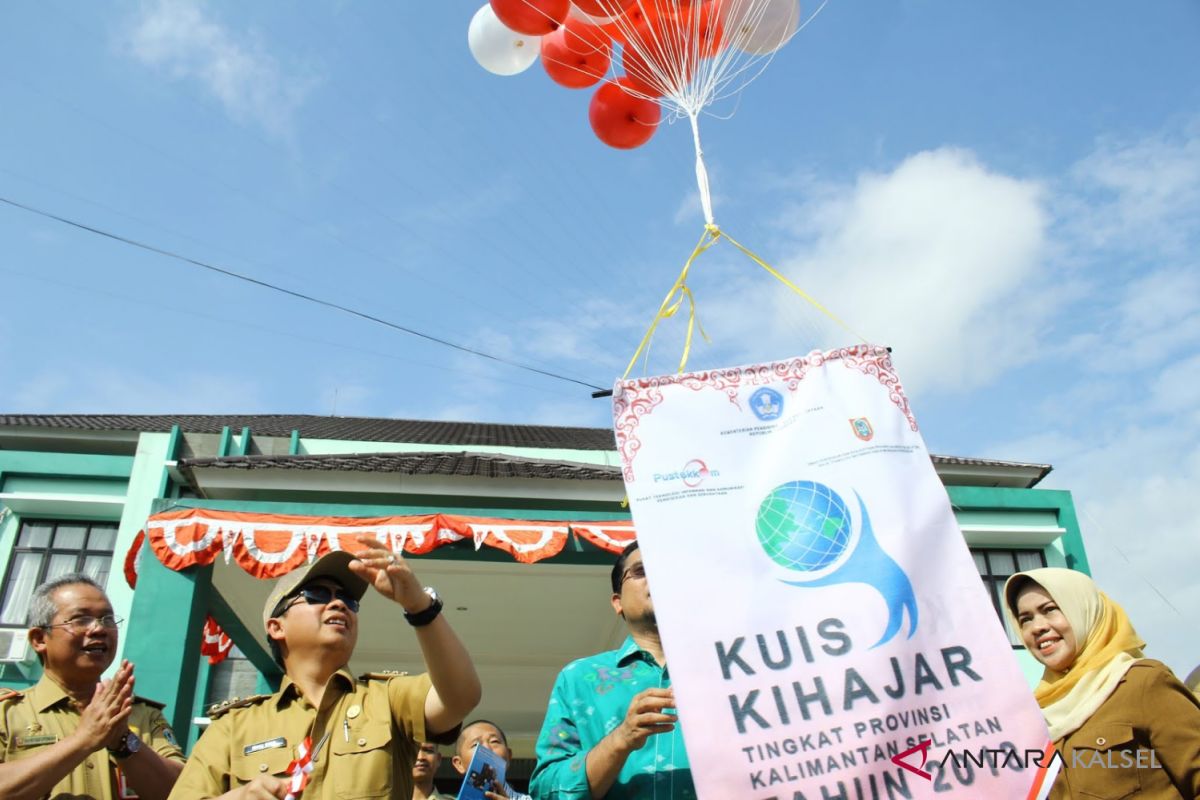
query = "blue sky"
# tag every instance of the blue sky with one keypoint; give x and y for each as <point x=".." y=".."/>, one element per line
<point x="1006" y="193"/>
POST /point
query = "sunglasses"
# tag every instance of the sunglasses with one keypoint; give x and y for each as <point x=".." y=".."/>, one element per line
<point x="318" y="596"/>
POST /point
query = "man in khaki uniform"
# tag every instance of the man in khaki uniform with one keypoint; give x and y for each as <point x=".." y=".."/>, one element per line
<point x="363" y="731"/>
<point x="69" y="736"/>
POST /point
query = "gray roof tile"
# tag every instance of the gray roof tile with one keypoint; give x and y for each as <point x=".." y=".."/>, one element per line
<point x="464" y="464"/>
<point x="360" y="429"/>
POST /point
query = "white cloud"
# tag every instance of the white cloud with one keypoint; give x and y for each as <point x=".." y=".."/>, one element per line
<point x="1143" y="194"/>
<point x="941" y="258"/>
<point x="179" y="37"/>
<point x="1145" y="323"/>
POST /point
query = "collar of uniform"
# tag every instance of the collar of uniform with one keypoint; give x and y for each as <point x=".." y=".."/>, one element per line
<point x="288" y="689"/>
<point x="46" y="693"/>
<point x="630" y="651"/>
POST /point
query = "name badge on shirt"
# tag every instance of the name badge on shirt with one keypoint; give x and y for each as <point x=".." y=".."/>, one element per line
<point x="36" y="741"/>
<point x="270" y="744"/>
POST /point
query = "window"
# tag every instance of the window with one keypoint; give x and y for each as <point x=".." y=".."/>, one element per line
<point x="995" y="566"/>
<point x="46" y="549"/>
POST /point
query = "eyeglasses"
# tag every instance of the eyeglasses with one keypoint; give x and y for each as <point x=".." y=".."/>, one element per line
<point x="637" y="572"/>
<point x="318" y="596"/>
<point x="83" y="624"/>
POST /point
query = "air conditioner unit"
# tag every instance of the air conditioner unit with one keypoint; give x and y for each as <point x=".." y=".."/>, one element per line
<point x="14" y="645"/>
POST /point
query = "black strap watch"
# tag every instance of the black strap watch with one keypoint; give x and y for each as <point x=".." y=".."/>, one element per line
<point x="422" y="618"/>
<point x="130" y="744"/>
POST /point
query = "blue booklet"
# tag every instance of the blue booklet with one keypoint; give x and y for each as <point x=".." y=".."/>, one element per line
<point x="486" y="769"/>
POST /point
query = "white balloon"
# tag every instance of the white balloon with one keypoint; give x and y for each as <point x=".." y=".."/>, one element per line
<point x="760" y="27"/>
<point x="497" y="48"/>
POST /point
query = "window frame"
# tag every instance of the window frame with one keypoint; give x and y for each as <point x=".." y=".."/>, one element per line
<point x="49" y="551"/>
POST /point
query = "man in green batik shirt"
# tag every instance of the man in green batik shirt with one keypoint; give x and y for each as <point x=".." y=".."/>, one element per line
<point x="610" y="731"/>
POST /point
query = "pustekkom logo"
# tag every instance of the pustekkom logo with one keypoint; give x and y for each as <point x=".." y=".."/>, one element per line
<point x="806" y="528"/>
<point x="692" y="475"/>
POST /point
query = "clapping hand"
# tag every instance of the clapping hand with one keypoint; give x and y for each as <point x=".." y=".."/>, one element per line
<point x="105" y="720"/>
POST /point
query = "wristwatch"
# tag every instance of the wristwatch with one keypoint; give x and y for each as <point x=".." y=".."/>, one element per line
<point x="427" y="616"/>
<point x="129" y="745"/>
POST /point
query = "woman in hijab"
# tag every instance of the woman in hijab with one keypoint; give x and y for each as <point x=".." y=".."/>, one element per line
<point x="1124" y="725"/>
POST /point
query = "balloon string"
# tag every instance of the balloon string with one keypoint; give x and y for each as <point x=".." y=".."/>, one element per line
<point x="702" y="174"/>
<point x="782" y="279"/>
<point x="680" y="292"/>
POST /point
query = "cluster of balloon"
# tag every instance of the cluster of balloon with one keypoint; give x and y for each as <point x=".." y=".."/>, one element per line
<point x="680" y="54"/>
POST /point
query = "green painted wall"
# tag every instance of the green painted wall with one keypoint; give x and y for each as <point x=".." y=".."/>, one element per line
<point x="106" y="487"/>
<point x="991" y="516"/>
<point x="163" y="636"/>
<point x="20" y="462"/>
<point x="147" y="482"/>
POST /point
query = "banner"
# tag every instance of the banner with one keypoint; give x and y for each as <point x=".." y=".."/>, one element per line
<point x="825" y="628"/>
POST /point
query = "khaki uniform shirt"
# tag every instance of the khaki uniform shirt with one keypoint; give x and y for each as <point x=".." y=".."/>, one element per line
<point x="373" y="726"/>
<point x="1144" y="742"/>
<point x="45" y="714"/>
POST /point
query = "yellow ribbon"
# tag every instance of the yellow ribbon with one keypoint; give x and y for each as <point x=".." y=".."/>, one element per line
<point x="680" y="291"/>
<point x="668" y="309"/>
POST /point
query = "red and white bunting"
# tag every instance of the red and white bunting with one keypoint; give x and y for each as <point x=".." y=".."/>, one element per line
<point x="271" y="545"/>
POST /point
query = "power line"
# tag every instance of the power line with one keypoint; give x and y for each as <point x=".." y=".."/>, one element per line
<point x="293" y="293"/>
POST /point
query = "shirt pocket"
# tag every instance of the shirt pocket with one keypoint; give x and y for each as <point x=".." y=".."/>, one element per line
<point x="274" y="761"/>
<point x="1103" y="763"/>
<point x="360" y="764"/>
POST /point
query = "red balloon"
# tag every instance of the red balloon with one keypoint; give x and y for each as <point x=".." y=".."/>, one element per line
<point x="638" y="13"/>
<point x="531" y="17"/>
<point x="602" y="8"/>
<point x="576" y="55"/>
<point x="621" y="120"/>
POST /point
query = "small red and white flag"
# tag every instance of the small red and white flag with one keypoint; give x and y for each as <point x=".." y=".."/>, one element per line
<point x="300" y="768"/>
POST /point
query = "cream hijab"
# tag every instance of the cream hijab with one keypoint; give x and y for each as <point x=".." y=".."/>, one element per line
<point x="1108" y="647"/>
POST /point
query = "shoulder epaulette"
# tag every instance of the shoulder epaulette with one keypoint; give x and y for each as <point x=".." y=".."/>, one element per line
<point x="10" y="694"/>
<point x="146" y="701"/>
<point x="381" y="675"/>
<point x="224" y="706"/>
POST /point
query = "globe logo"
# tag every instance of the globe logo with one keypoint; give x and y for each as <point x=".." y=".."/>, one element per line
<point x="803" y="526"/>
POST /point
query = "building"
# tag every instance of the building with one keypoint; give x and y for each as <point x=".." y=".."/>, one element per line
<point x="516" y="524"/>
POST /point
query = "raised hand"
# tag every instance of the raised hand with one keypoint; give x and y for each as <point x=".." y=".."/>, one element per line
<point x="389" y="574"/>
